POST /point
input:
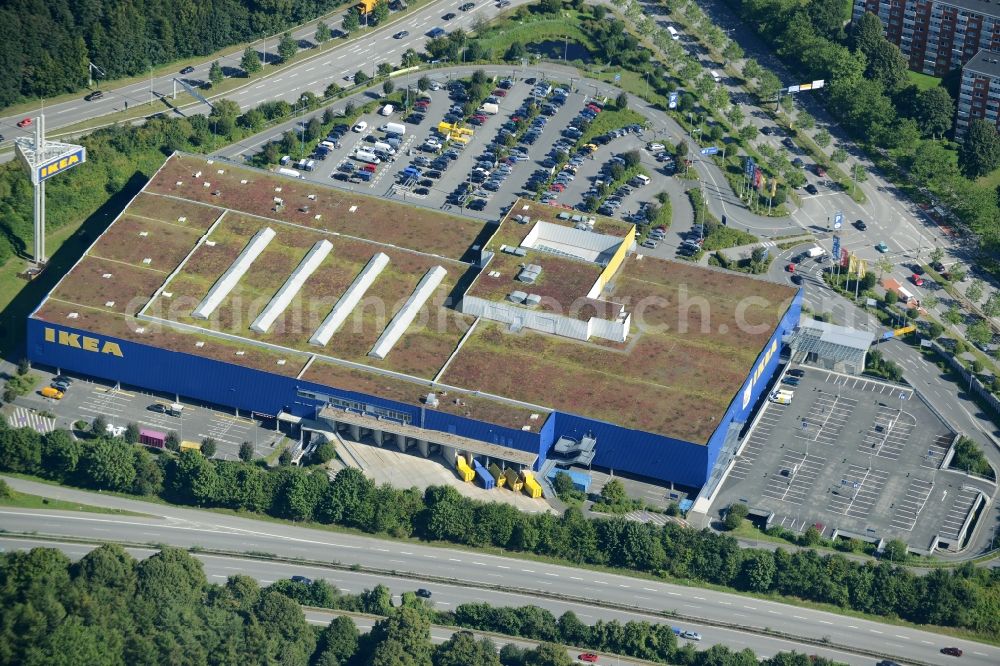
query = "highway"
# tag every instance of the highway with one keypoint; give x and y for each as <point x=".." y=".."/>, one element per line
<point x="188" y="527"/>
<point x="314" y="72"/>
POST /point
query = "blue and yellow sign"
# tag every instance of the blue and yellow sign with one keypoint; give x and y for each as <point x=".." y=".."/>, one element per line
<point x="84" y="342"/>
<point x="49" y="169"/>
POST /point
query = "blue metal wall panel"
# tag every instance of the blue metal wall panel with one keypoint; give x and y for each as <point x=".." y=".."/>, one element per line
<point x="232" y="385"/>
<point x="521" y="440"/>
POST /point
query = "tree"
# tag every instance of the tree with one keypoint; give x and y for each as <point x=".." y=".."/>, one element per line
<point x="953" y="315"/>
<point x="621" y="102"/>
<point x="613" y="492"/>
<point x="735" y="515"/>
<point x="979" y="153"/>
<point x="250" y="62"/>
<point x="423" y="83"/>
<point x="313" y="129"/>
<point x="380" y="12"/>
<point x="215" y="74"/>
<point x="992" y="306"/>
<point x="132" y="433"/>
<point x="285" y="459"/>
<point x="324" y="453"/>
<point x="99" y="426"/>
<point x="735" y="116"/>
<point x="19" y="450"/>
<point x="462" y="649"/>
<point x="768" y="86"/>
<point x="838" y="155"/>
<point x="109" y="464"/>
<point x="979" y="332"/>
<point x="338" y="641"/>
<point x="733" y="51"/>
<point x="208" y="446"/>
<point x="822" y="138"/>
<point x="974" y="292"/>
<point x="287" y="47"/>
<point x="246" y="452"/>
<point x="401" y="639"/>
<point x="804" y="120"/>
<point x="752" y="69"/>
<point x="173" y="441"/>
<point x="360" y="78"/>
<point x="548" y="654"/>
<point x="895" y="550"/>
<point x="937" y="254"/>
<point x="550" y="6"/>
<point x="757" y="570"/>
<point x="323" y="33"/>
<point x="384" y="69"/>
<point x="935" y="110"/>
<point x="748" y="133"/>
<point x="352" y="20"/>
<point x="388" y="86"/>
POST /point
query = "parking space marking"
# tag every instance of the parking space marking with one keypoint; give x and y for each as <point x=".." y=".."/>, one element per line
<point x="826" y="418"/>
<point x="954" y="519"/>
<point x="936" y="451"/>
<point x="858" y="491"/>
<point x="755" y="443"/>
<point x="909" y="506"/>
<point x="793" y="481"/>
<point x="889" y="433"/>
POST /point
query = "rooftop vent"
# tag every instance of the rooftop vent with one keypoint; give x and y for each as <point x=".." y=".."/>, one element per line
<point x="209" y="162"/>
<point x="352" y="209"/>
<point x="277" y="189"/>
<point x="199" y="344"/>
<point x="206" y="184"/>
<point x="432" y="400"/>
<point x="141" y="329"/>
<point x="179" y="183"/>
<point x="517" y="296"/>
<point x="529" y="273"/>
<point x="244" y="181"/>
<point x="197" y="174"/>
<point x="106" y="276"/>
<point x="221" y="171"/>
<point x="210" y="243"/>
<point x="281" y="361"/>
<point x="72" y="315"/>
<point x="182" y="219"/>
<point x="240" y="352"/>
<point x="532" y="300"/>
<point x="109" y="304"/>
<point x="147" y="261"/>
<point x="167" y="294"/>
<point x="312" y="197"/>
<point x="143" y="234"/>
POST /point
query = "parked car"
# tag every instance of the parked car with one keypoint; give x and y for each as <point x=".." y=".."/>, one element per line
<point x="882" y="247"/>
<point x="811" y="189"/>
<point x="360" y="127"/>
<point x="917" y="280"/>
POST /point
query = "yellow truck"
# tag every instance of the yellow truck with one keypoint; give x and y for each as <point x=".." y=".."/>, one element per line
<point x="51" y="392"/>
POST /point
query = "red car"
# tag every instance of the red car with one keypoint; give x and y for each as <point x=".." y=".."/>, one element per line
<point x="558" y="187"/>
<point x="790" y="268"/>
<point x="480" y="117"/>
<point x="588" y="657"/>
<point x="421" y="104"/>
<point x="24" y="123"/>
<point x="499" y="92"/>
<point x="594" y="108"/>
<point x="370" y="168"/>
<point x="917" y="280"/>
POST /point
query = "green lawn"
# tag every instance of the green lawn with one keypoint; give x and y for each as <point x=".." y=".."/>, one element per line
<point x="26" y="501"/>
<point x="923" y="81"/>
<point x="499" y="38"/>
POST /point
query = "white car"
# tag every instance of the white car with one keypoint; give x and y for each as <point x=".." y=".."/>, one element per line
<point x="432" y="141"/>
<point x="655" y="147"/>
<point x="360" y="127"/>
<point x="691" y="635"/>
<point x="114" y="431"/>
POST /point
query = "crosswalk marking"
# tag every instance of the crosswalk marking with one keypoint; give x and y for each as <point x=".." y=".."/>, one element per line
<point x="22" y="417"/>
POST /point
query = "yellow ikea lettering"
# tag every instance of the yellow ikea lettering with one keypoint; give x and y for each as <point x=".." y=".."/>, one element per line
<point x="84" y="342"/>
<point x="56" y="167"/>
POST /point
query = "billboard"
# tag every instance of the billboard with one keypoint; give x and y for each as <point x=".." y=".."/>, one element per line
<point x="59" y="164"/>
<point x="672" y="103"/>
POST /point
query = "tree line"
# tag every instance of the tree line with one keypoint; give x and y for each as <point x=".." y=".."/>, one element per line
<point x="107" y="609"/>
<point x="868" y="89"/>
<point x="45" y="47"/>
<point x="964" y="597"/>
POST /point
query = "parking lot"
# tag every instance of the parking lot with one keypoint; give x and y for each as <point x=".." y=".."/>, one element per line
<point x="496" y="153"/>
<point x="855" y="455"/>
<point x="87" y="399"/>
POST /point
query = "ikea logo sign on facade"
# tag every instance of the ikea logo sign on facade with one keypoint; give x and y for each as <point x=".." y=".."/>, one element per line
<point x="758" y="371"/>
<point x="84" y="342"/>
<point x="62" y="164"/>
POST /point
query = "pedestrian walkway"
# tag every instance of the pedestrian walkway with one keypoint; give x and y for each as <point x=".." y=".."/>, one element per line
<point x="741" y="250"/>
<point x="22" y="417"/>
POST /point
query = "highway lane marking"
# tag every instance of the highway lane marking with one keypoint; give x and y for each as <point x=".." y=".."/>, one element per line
<point x="700" y="598"/>
<point x="549" y="573"/>
<point x="218" y="576"/>
<point x="798" y="617"/>
<point x="381" y="550"/>
<point x="981" y="654"/>
<point x="623" y="585"/>
<point x="649" y="589"/>
<point x="258" y="87"/>
<point x="927" y="642"/>
<point x="453" y="559"/>
<point x="772" y="612"/>
<point x="750" y="607"/>
<point x="726" y="603"/>
<point x="824" y="622"/>
<point x="398" y="561"/>
<point x="310" y="69"/>
<point x="500" y="566"/>
<point x="292" y="75"/>
<point x="575" y="578"/>
<point x="851" y="626"/>
<point x="674" y="594"/>
<point x="601" y="582"/>
<point x="875" y="631"/>
<point x="278" y="80"/>
<point x="481" y="564"/>
<point x="528" y="570"/>
<point x="903" y="637"/>
<point x="403" y="552"/>
<point x="431" y="557"/>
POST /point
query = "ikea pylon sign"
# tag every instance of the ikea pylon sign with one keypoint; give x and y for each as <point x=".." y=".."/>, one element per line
<point x="60" y="164"/>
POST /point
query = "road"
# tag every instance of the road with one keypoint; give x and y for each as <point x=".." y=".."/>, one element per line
<point x="188" y="527"/>
<point x="313" y="73"/>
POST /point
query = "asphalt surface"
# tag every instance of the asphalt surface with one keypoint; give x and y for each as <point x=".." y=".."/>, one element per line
<point x="188" y="527"/>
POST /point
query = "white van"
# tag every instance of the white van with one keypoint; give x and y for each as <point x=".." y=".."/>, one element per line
<point x="716" y="76"/>
<point x="367" y="156"/>
<point x="674" y="35"/>
<point x="384" y="147"/>
<point x="289" y="172"/>
<point x="642" y="179"/>
<point x="393" y="128"/>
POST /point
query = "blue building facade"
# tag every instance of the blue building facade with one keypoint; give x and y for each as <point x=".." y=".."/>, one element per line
<point x="231" y="385"/>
